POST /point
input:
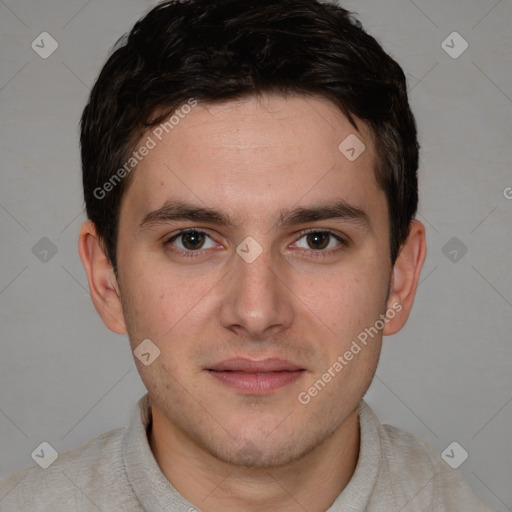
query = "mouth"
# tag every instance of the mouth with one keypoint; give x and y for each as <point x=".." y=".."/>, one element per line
<point x="256" y="377"/>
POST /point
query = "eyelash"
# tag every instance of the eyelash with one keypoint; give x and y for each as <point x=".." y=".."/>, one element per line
<point x="196" y="254"/>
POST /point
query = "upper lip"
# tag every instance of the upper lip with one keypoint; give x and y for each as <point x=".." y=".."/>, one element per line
<point x="240" y="364"/>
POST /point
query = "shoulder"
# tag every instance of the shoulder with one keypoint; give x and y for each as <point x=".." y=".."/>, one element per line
<point x="420" y="478"/>
<point x="78" y="476"/>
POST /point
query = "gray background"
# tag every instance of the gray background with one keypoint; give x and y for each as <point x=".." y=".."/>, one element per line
<point x="65" y="378"/>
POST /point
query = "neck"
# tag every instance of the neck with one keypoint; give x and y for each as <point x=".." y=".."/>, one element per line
<point x="312" y="482"/>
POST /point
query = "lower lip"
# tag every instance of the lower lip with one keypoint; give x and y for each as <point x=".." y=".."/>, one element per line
<point x="256" y="383"/>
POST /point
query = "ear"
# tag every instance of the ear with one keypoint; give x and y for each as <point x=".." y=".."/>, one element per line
<point x="405" y="276"/>
<point x="103" y="285"/>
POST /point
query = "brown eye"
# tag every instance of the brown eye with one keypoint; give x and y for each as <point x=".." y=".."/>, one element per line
<point x="318" y="240"/>
<point x="193" y="240"/>
<point x="190" y="240"/>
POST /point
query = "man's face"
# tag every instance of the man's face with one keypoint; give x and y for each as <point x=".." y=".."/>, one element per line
<point x="303" y="300"/>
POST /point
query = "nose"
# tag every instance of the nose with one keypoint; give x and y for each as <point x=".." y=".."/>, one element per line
<point x="257" y="300"/>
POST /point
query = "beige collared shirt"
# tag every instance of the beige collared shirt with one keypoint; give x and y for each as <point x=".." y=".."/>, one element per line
<point x="117" y="472"/>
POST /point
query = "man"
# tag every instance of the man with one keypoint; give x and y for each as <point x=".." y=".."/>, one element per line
<point x="250" y="179"/>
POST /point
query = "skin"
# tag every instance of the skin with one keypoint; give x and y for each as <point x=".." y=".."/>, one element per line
<point x="221" y="449"/>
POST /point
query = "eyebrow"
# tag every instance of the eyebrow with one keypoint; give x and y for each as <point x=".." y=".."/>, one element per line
<point x="179" y="210"/>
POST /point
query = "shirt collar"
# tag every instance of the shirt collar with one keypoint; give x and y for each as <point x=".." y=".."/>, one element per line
<point x="154" y="492"/>
<point x="358" y="491"/>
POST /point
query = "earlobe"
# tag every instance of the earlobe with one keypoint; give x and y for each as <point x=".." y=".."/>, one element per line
<point x="103" y="286"/>
<point x="405" y="276"/>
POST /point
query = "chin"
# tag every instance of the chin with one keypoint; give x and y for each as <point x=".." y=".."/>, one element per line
<point x="250" y="456"/>
<point x="260" y="452"/>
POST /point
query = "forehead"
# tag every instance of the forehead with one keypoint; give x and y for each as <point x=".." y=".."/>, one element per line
<point x="254" y="158"/>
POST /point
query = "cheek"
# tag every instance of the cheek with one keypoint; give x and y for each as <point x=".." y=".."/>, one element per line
<point x="344" y="301"/>
<point x="146" y="299"/>
<point x="170" y="308"/>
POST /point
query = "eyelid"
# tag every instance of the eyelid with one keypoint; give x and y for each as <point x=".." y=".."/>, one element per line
<point x="186" y="230"/>
<point x="332" y="232"/>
